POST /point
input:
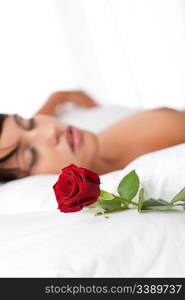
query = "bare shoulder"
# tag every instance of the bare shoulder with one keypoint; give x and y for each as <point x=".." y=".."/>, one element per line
<point x="143" y="132"/>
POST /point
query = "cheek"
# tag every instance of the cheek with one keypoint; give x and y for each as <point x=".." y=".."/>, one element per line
<point x="53" y="160"/>
<point x="59" y="158"/>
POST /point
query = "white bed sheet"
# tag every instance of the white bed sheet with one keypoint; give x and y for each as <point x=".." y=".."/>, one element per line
<point x="47" y="243"/>
<point x="128" y="244"/>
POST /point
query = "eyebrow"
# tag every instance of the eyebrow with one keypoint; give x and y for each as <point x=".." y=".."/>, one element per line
<point x="14" y="151"/>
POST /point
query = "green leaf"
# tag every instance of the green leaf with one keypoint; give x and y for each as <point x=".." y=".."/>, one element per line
<point x="114" y="210"/>
<point x="141" y="199"/>
<point x="110" y="204"/>
<point x="123" y="201"/>
<point x="160" y="208"/>
<point x="129" y="186"/>
<point x="156" y="202"/>
<point x="105" y="195"/>
<point x="179" y="197"/>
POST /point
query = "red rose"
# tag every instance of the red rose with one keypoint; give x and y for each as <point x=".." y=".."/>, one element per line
<point x="76" y="188"/>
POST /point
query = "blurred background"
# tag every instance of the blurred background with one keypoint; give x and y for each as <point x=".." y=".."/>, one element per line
<point x="123" y="52"/>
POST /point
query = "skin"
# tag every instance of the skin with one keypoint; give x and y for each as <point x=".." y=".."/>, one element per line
<point x="47" y="138"/>
<point x="140" y="133"/>
<point x="143" y="132"/>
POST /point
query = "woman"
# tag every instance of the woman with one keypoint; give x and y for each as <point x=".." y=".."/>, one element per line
<point x="44" y="145"/>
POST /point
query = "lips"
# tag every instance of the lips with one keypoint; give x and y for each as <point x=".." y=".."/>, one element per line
<point x="73" y="137"/>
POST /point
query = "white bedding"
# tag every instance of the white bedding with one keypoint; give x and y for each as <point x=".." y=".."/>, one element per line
<point x="51" y="244"/>
<point x="47" y="243"/>
<point x="94" y="119"/>
<point x="36" y="240"/>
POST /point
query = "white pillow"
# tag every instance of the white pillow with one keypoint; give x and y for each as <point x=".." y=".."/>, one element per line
<point x="29" y="194"/>
<point x="162" y="175"/>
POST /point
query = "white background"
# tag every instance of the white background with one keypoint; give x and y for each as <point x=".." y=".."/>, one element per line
<point x="128" y="52"/>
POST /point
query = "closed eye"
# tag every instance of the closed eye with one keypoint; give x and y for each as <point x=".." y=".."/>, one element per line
<point x="33" y="160"/>
<point x="31" y="124"/>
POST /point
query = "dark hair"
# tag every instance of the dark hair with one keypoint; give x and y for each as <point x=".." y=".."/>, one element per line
<point x="11" y="173"/>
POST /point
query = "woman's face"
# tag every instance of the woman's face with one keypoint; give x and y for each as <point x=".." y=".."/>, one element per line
<point x="45" y="145"/>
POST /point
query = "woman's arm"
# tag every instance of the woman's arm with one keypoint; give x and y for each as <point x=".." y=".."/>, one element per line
<point x="77" y="97"/>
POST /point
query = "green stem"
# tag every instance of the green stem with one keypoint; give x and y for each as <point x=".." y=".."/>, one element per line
<point x="134" y="203"/>
<point x="115" y="210"/>
<point x="128" y="201"/>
